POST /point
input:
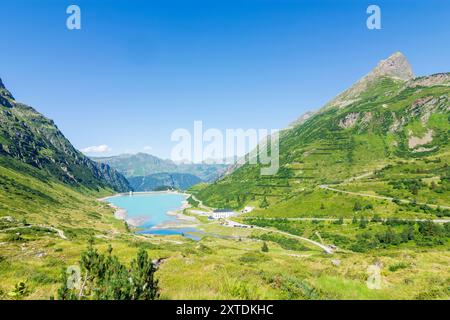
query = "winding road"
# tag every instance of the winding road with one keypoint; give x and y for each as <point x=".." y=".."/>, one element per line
<point x="325" y="248"/>
<point x="345" y="219"/>
<point x="59" y="232"/>
<point x="326" y="187"/>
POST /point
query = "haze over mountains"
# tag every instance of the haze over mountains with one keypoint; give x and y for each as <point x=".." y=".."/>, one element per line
<point x="146" y="172"/>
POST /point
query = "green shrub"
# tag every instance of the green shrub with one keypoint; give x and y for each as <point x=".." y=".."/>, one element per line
<point x="284" y="242"/>
<point x="398" y="266"/>
<point x="253" y="257"/>
<point x="15" y="237"/>
<point x="103" y="277"/>
<point x="237" y="289"/>
<point x="192" y="202"/>
<point x="264" y="247"/>
<point x="20" y="290"/>
<point x="363" y="223"/>
<point x="144" y="245"/>
<point x="295" y="288"/>
<point x="43" y="278"/>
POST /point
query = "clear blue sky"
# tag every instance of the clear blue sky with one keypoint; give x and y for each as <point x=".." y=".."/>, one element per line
<point x="140" y="69"/>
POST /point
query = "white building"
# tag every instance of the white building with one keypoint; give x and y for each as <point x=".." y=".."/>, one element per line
<point x="223" y="214"/>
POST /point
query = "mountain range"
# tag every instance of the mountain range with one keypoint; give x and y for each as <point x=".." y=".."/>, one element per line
<point x="382" y="136"/>
<point x="146" y="172"/>
<point x="386" y="122"/>
<point x="365" y="176"/>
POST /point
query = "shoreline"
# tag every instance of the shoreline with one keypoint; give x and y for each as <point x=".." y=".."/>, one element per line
<point x="181" y="219"/>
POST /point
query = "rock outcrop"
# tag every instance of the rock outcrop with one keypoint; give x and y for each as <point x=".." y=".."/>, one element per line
<point x="395" y="67"/>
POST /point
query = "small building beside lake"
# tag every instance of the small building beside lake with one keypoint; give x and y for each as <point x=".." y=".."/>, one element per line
<point x="223" y="213"/>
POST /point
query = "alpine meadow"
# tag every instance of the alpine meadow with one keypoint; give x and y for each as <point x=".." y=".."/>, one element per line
<point x="363" y="183"/>
<point x="224" y="158"/>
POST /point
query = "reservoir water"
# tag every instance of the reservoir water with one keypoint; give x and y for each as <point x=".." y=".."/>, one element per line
<point x="150" y="210"/>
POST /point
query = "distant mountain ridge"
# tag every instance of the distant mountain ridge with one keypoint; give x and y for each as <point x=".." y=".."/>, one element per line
<point x="28" y="136"/>
<point x="139" y="164"/>
<point x="145" y="171"/>
<point x="181" y="181"/>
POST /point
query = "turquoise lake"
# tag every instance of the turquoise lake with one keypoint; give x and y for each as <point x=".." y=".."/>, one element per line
<point x="151" y="210"/>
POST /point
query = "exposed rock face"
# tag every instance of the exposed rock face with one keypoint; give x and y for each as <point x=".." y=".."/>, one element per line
<point x="396" y="67"/>
<point x="303" y="118"/>
<point x="426" y="106"/>
<point x="349" y="120"/>
<point x="367" y="117"/>
<point x="397" y="124"/>
<point x="422" y="108"/>
<point x="28" y="136"/>
<point x="432" y="80"/>
<point x="420" y="141"/>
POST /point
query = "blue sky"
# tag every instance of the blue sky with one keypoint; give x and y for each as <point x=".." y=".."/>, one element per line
<point x="137" y="70"/>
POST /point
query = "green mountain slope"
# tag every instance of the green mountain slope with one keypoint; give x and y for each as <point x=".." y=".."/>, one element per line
<point x="30" y="194"/>
<point x="388" y="135"/>
<point x="47" y="218"/>
<point x="29" y="137"/>
<point x="45" y="181"/>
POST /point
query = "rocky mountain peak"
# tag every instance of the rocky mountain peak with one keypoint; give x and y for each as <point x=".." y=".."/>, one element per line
<point x="302" y="119"/>
<point x="396" y="66"/>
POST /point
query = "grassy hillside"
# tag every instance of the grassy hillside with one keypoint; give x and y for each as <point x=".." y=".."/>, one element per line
<point x="227" y="263"/>
<point x="45" y="181"/>
<point x="233" y="266"/>
<point x="376" y="152"/>
<point x="28" y="136"/>
<point x="30" y="195"/>
<point x="397" y="130"/>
